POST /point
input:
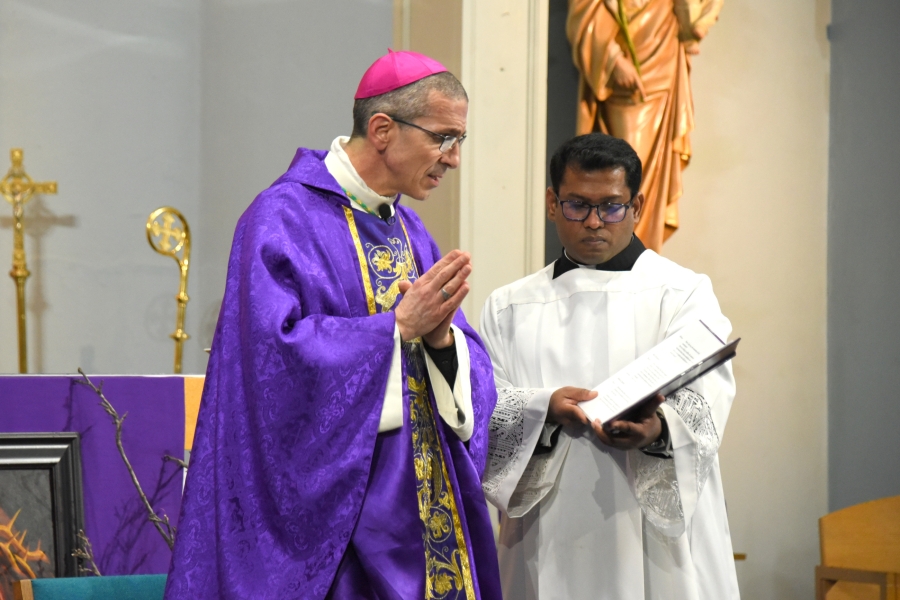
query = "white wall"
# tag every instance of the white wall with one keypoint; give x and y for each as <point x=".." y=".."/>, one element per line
<point x="504" y="69"/>
<point x="491" y="207"/>
<point x="753" y="218"/>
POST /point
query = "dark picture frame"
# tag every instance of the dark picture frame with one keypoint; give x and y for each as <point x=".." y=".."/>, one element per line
<point x="60" y="454"/>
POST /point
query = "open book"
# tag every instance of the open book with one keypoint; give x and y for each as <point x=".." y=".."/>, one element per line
<point x="669" y="366"/>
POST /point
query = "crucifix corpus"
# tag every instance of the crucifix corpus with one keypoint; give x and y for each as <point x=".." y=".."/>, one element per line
<point x="18" y="188"/>
<point x="173" y="240"/>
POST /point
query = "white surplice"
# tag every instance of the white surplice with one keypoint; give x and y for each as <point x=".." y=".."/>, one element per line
<point x="585" y="521"/>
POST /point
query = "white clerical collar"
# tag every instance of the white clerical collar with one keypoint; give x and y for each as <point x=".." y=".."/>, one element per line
<point x="361" y="196"/>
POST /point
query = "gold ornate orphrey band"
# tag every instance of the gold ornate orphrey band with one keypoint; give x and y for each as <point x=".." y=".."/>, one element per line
<point x="169" y="234"/>
<point x="18" y="188"/>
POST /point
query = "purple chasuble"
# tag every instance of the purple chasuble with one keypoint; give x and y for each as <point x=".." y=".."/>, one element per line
<point x="292" y="492"/>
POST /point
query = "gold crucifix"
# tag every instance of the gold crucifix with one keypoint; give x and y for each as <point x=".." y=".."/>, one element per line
<point x="18" y="188"/>
<point x="173" y="240"/>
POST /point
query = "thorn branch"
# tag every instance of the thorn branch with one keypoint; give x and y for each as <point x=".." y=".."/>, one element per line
<point x="166" y="530"/>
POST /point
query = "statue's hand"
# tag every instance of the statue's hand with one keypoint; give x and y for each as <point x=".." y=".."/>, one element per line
<point x="692" y="47"/>
<point x="625" y="76"/>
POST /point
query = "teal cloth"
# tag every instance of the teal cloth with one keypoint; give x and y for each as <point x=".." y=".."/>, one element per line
<point x="118" y="587"/>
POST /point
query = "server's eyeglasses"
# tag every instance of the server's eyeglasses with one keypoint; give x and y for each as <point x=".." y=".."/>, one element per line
<point x="608" y="212"/>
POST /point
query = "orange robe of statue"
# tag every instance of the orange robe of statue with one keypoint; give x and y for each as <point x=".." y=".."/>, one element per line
<point x="658" y="124"/>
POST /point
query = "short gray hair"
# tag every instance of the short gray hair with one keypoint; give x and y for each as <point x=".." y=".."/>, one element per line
<point x="406" y="103"/>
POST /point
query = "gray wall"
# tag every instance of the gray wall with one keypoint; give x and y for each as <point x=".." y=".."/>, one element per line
<point x="276" y="76"/>
<point x="864" y="253"/>
<point x="133" y="105"/>
<point x="104" y="96"/>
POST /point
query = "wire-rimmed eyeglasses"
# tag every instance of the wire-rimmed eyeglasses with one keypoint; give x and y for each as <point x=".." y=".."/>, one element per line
<point x="608" y="212"/>
<point x="447" y="141"/>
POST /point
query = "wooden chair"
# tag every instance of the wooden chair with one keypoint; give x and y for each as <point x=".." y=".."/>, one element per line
<point x="120" y="587"/>
<point x="860" y="547"/>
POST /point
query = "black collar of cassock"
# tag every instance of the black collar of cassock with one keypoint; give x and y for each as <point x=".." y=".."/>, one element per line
<point x="623" y="261"/>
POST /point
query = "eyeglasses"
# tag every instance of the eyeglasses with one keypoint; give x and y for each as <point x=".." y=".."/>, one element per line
<point x="447" y="141"/>
<point x="608" y="212"/>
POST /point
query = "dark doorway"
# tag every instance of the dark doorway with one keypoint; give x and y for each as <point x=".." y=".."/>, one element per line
<point x="562" y="98"/>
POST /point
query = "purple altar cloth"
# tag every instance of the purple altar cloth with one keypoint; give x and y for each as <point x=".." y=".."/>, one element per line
<point x="115" y="520"/>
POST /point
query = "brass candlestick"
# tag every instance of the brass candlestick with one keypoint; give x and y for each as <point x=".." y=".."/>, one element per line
<point x="18" y="188"/>
<point x="171" y="239"/>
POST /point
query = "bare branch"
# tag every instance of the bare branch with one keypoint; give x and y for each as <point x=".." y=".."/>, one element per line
<point x="177" y="461"/>
<point x="85" y="551"/>
<point x="166" y="530"/>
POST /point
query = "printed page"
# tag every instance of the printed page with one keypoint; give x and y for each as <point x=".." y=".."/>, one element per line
<point x="664" y="362"/>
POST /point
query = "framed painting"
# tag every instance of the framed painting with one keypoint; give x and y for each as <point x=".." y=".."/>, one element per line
<point x="40" y="506"/>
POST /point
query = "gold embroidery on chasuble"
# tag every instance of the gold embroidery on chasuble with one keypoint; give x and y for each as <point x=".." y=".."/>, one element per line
<point x="361" y="256"/>
<point x="448" y="575"/>
<point x="391" y="263"/>
<point x="386" y="264"/>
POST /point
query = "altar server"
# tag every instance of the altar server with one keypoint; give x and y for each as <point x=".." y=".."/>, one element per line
<point x="343" y="428"/>
<point x="633" y="510"/>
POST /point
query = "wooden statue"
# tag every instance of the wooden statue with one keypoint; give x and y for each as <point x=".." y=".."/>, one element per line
<point x="634" y="60"/>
